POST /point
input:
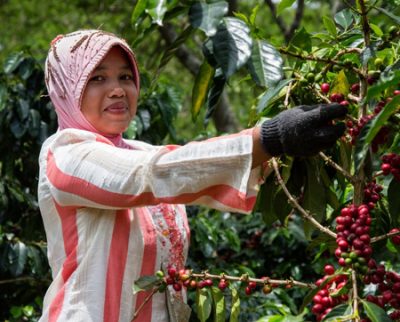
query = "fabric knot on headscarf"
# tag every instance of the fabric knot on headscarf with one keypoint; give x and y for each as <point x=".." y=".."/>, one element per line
<point x="70" y="61"/>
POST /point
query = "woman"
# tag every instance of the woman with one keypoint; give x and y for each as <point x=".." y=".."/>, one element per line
<point x="113" y="208"/>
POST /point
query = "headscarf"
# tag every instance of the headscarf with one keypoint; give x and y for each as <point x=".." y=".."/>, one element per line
<point x="70" y="61"/>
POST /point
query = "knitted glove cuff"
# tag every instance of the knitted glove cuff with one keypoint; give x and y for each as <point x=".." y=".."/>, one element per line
<point x="271" y="137"/>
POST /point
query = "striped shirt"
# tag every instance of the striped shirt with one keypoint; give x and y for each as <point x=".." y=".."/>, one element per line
<point x="112" y="215"/>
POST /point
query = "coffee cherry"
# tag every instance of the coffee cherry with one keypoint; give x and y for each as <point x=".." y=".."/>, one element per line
<point x="329" y="269"/>
<point x="172" y="271"/>
<point x="160" y="274"/>
<point x="355" y="88"/>
<point x="223" y="284"/>
<point x="267" y="289"/>
<point x="336" y="97"/>
<point x="395" y="239"/>
<point x="177" y="287"/>
<point x="325" y="87"/>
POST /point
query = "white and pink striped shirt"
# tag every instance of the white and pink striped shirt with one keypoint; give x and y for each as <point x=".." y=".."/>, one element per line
<point x="112" y="215"/>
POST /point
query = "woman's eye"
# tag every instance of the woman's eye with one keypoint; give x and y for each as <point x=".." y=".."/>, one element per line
<point x="127" y="77"/>
<point x="97" y="78"/>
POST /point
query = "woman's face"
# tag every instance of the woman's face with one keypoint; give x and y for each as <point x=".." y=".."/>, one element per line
<point x="110" y="97"/>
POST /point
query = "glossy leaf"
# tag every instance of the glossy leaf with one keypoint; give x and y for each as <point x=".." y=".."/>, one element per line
<point x="344" y="311"/>
<point x="17" y="258"/>
<point x="284" y="4"/>
<point x="157" y="9"/>
<point x="270" y="94"/>
<point x="265" y="64"/>
<point x="200" y="88"/>
<point x="219" y="304"/>
<point x="138" y="11"/>
<point x="203" y="304"/>
<point x="235" y="306"/>
<point x="12" y="62"/>
<point x="388" y="78"/>
<point x="377" y="31"/>
<point x="207" y="16"/>
<point x="393" y="194"/>
<point x="344" y="18"/>
<point x="232" y="45"/>
<point x="374" y="312"/>
<point x="215" y="92"/>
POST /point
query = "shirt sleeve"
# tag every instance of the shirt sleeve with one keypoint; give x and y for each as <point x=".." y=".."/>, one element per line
<point x="82" y="169"/>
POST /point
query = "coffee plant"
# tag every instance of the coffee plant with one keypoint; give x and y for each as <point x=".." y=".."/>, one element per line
<point x="347" y="197"/>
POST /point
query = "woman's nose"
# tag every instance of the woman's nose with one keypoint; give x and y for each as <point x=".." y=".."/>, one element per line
<point x="117" y="92"/>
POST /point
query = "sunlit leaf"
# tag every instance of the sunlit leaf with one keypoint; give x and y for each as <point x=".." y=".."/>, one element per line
<point x="203" y="304"/>
<point x="265" y="64"/>
<point x="374" y="312"/>
<point x="270" y="94"/>
<point x="17" y="258"/>
<point x="232" y="45"/>
<point x="200" y="88"/>
<point x="157" y="9"/>
<point x="340" y="84"/>
<point x="377" y="31"/>
<point x="207" y="16"/>
<point x="219" y="304"/>
<point x="235" y="307"/>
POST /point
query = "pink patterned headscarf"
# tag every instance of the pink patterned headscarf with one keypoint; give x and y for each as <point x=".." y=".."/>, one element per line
<point x="70" y="61"/>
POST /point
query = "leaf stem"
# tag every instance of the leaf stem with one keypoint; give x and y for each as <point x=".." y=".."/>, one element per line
<point x="333" y="164"/>
<point x="135" y="315"/>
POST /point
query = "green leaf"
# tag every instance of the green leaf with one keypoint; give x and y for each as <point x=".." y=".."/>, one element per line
<point x="145" y="283"/>
<point x="207" y="16"/>
<point x="283" y="4"/>
<point x="389" y="14"/>
<point x="393" y="194"/>
<point x="344" y="18"/>
<point x="17" y="258"/>
<point x="315" y="194"/>
<point x="219" y="304"/>
<point x="216" y="90"/>
<point x="203" y="304"/>
<point x="156" y="10"/>
<point x="375" y="28"/>
<point x="232" y="45"/>
<point x="374" y="312"/>
<point x="200" y="88"/>
<point x="340" y="84"/>
<point x="235" y="309"/>
<point x="329" y="25"/>
<point x="388" y="79"/>
<point x="341" y="311"/>
<point x="381" y="119"/>
<point x="271" y="93"/>
<point x="302" y="40"/>
<point x="140" y="8"/>
<point x="265" y="64"/>
<point x="361" y="148"/>
<point x="12" y="62"/>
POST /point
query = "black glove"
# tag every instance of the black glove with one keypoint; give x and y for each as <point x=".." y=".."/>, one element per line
<point x="303" y="130"/>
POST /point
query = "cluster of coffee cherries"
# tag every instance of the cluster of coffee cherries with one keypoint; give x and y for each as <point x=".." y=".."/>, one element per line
<point x="387" y="294"/>
<point x="184" y="278"/>
<point x="352" y="238"/>
<point x="391" y="165"/>
<point x="334" y="97"/>
<point x="372" y="194"/>
<point x="328" y="296"/>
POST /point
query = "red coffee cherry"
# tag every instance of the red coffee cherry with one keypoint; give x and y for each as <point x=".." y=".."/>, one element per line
<point x="329" y="269"/>
<point x="325" y="87"/>
<point x="395" y="239"/>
